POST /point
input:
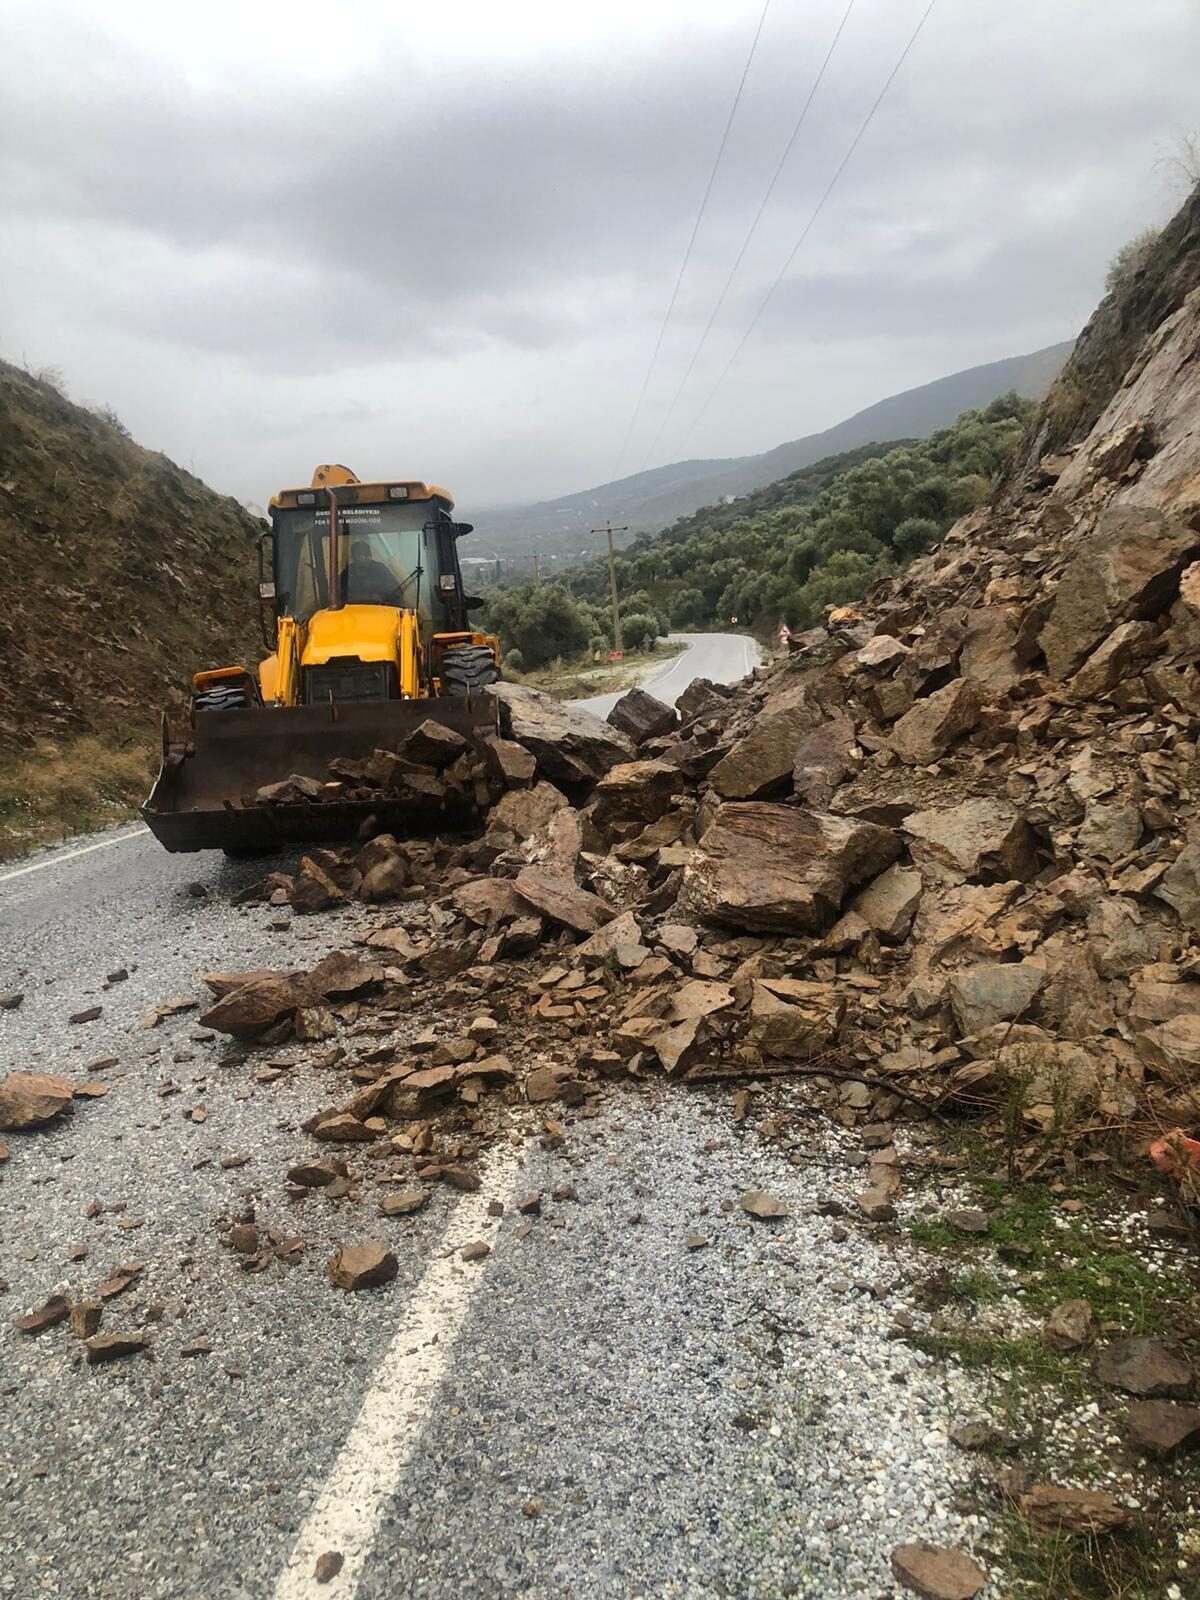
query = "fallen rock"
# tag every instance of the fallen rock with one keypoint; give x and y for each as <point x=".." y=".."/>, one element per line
<point x="1144" y="1367"/>
<point x="526" y="812"/>
<point x="763" y="760"/>
<point x="328" y="1565"/>
<point x="1180" y="886"/>
<point x="1126" y="570"/>
<point x="774" y="868"/>
<point x="55" y="1310"/>
<point x="758" y="1203"/>
<point x="937" y="1573"/>
<point x="251" y="1007"/>
<point x="112" y="1346"/>
<point x="29" y="1099"/>
<point x="85" y="1318"/>
<point x="622" y="930"/>
<point x="1159" y="1427"/>
<point x="291" y="791"/>
<point x="876" y="1205"/>
<point x="822" y="759"/>
<point x="1070" y="1326"/>
<point x="635" y="791"/>
<point x="986" y="840"/>
<point x="927" y="731"/>
<point x="993" y="991"/>
<point x="362" y="1266"/>
<point x="119" y="1279"/>
<point x="572" y="746"/>
<point x="403" y="1202"/>
<point x="1112" y="661"/>
<point x="1073" y="1510"/>
<point x="791" y="1019"/>
<point x="889" y="904"/>
<point x="640" y="716"/>
<point x="313" y="889"/>
<point x="433" y="744"/>
<point x="562" y="900"/>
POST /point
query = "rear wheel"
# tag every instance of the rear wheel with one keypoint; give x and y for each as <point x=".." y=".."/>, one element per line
<point x="225" y="698"/>
<point x="468" y="669"/>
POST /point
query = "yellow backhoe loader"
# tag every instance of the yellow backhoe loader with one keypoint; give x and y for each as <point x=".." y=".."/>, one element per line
<point x="366" y="622"/>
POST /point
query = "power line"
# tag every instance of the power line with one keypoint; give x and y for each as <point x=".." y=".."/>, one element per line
<point x="758" y="216"/>
<point x="817" y="209"/>
<point x="687" y="254"/>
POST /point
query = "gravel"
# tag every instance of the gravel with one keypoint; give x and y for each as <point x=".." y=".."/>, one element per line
<point x="727" y="1420"/>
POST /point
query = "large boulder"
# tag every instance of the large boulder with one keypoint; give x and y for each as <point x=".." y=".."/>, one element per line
<point x="986" y="840"/>
<point x="927" y="731"/>
<point x="889" y="904"/>
<point x="526" y="812"/>
<point x="993" y="991"/>
<point x="639" y="715"/>
<point x="1180" y="886"/>
<point x="762" y="761"/>
<point x="635" y="791"/>
<point x="989" y="655"/>
<point x="774" y="868"/>
<point x="822" y="759"/>
<point x="1128" y="571"/>
<point x="252" y="1007"/>
<point x="571" y="746"/>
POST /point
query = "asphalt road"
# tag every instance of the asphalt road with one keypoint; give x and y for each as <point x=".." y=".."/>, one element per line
<point x="595" y="1409"/>
<point x="721" y="657"/>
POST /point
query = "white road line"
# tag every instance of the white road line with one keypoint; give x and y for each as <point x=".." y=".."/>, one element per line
<point x="70" y="855"/>
<point x="388" y="1428"/>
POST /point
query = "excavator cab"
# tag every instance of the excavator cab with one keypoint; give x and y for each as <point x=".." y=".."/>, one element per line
<point x="367" y="633"/>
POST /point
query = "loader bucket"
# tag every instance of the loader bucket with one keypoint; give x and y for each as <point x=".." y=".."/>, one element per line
<point x="203" y="798"/>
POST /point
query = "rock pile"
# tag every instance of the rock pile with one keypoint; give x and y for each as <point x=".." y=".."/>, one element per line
<point x="946" y="854"/>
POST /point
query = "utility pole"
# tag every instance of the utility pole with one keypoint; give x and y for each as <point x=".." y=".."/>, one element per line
<point x="537" y="567"/>
<point x="608" y="528"/>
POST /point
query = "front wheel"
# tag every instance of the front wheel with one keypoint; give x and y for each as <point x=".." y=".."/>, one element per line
<point x="468" y="669"/>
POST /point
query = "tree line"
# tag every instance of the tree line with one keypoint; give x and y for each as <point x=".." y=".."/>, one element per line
<point x="821" y="536"/>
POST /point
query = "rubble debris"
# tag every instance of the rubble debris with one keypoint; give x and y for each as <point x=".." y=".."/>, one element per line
<point x="55" y="1310"/>
<point x="29" y="1099"/>
<point x="937" y="1573"/>
<point x="362" y="1266"/>
<point x="1052" y="1508"/>
<point x="113" y="1346"/>
<point x="1145" y="1367"/>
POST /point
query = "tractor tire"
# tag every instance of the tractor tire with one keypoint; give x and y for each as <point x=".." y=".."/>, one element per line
<point x="232" y="699"/>
<point x="468" y="669"/>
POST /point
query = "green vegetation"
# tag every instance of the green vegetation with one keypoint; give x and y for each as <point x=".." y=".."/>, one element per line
<point x="822" y="536"/>
<point x="1061" y="1258"/>
<point x="1132" y="255"/>
<point x="544" y="622"/>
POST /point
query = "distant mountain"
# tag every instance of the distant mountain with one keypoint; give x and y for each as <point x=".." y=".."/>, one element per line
<point x="651" y="500"/>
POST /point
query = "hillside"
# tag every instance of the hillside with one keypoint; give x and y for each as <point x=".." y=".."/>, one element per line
<point x="121" y="574"/>
<point x="651" y="500"/>
<point x="821" y="536"/>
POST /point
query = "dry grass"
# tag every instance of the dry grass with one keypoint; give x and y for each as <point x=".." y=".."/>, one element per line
<point x="59" y="789"/>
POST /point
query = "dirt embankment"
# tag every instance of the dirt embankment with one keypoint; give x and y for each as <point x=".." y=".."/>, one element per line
<point x="121" y="575"/>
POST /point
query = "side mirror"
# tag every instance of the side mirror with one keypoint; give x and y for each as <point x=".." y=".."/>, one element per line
<point x="461" y="529"/>
<point x="473" y="602"/>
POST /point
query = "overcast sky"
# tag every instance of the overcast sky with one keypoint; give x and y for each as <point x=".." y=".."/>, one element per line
<point x="440" y="240"/>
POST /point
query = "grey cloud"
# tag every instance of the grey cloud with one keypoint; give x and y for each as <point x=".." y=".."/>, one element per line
<point x="517" y="230"/>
